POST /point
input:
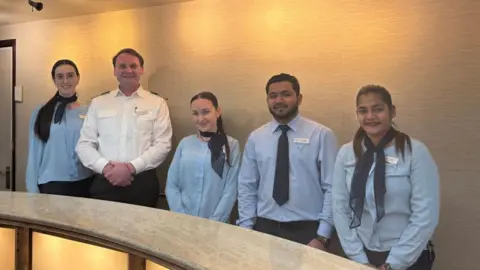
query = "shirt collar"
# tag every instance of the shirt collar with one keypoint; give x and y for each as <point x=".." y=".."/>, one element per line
<point x="293" y="124"/>
<point x="139" y="92"/>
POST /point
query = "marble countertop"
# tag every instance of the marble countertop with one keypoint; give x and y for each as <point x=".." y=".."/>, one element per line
<point x="190" y="242"/>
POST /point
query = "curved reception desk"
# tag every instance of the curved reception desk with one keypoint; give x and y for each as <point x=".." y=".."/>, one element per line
<point x="40" y="232"/>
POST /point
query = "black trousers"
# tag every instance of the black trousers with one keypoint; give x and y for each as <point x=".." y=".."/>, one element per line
<point x="79" y="188"/>
<point x="298" y="231"/>
<point x="424" y="262"/>
<point x="143" y="191"/>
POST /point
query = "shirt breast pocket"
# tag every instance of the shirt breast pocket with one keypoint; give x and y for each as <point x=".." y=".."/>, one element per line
<point x="397" y="181"/>
<point x="396" y="171"/>
<point x="106" y="122"/>
<point x="145" y="122"/>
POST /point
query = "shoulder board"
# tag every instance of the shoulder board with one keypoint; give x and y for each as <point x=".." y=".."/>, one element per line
<point x="104" y="93"/>
<point x="157" y="94"/>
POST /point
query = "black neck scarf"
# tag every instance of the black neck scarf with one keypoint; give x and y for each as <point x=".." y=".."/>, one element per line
<point x="215" y="144"/>
<point x="360" y="177"/>
<point x="63" y="102"/>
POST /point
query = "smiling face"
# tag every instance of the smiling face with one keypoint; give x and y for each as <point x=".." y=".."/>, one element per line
<point x="205" y="115"/>
<point x="66" y="80"/>
<point x="128" y="70"/>
<point x="283" y="101"/>
<point x="374" y="115"/>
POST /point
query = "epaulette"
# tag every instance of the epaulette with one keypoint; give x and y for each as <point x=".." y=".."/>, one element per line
<point x="104" y="93"/>
<point x="157" y="94"/>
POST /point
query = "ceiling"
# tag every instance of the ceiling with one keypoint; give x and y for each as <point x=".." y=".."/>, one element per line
<point x="19" y="11"/>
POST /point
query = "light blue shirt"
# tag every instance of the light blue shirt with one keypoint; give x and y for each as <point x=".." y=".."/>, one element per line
<point x="56" y="159"/>
<point x="312" y="151"/>
<point x="411" y="206"/>
<point x="194" y="188"/>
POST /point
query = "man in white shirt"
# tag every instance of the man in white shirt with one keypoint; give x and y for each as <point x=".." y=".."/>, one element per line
<point x="126" y="135"/>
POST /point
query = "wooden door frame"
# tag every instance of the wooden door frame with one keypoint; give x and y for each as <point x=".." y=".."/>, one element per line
<point x="5" y="44"/>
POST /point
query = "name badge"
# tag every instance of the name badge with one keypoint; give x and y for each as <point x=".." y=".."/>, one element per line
<point x="140" y="112"/>
<point x="301" y="140"/>
<point x="82" y="116"/>
<point x="391" y="160"/>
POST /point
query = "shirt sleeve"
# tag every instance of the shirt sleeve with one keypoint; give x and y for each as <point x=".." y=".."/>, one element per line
<point x="229" y="196"/>
<point x="248" y="179"/>
<point x="172" y="189"/>
<point x="328" y="153"/>
<point x="162" y="142"/>
<point x="424" y="203"/>
<point x="35" y="155"/>
<point x="351" y="243"/>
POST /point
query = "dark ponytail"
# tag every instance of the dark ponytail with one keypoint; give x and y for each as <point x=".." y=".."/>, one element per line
<point x="220" y="129"/>
<point x="357" y="142"/>
<point x="45" y="114"/>
<point x="400" y="137"/>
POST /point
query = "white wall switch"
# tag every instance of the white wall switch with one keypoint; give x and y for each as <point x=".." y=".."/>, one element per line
<point x="19" y="93"/>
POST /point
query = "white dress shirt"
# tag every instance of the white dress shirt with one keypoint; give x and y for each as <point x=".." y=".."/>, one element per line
<point x="135" y="129"/>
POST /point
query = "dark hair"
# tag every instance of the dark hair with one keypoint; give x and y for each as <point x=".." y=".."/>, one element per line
<point x="400" y="137"/>
<point x="210" y="96"/>
<point x="283" y="77"/>
<point x="45" y="114"/>
<point x="131" y="52"/>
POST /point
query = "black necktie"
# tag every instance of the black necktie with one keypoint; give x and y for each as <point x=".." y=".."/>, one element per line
<point x="282" y="169"/>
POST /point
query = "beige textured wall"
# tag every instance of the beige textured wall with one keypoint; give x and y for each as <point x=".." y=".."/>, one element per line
<point x="426" y="52"/>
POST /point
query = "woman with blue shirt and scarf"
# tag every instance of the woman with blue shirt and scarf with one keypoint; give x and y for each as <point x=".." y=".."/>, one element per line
<point x="53" y="166"/>
<point x="202" y="178"/>
<point x="385" y="191"/>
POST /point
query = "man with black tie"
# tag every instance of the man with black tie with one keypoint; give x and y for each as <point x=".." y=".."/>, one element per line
<point x="284" y="185"/>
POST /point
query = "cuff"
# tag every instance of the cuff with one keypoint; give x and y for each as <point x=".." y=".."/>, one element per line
<point x="33" y="189"/>
<point x="99" y="165"/>
<point x="246" y="225"/>
<point x="395" y="263"/>
<point x="360" y="258"/>
<point x="138" y="164"/>
<point x="325" y="229"/>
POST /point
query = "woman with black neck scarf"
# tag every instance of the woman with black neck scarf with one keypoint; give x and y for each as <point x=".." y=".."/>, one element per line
<point x="202" y="178"/>
<point x="53" y="166"/>
<point x="385" y="191"/>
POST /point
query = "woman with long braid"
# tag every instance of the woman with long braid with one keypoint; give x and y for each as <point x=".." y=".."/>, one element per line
<point x="385" y="191"/>
<point x="53" y="166"/>
<point x="202" y="178"/>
